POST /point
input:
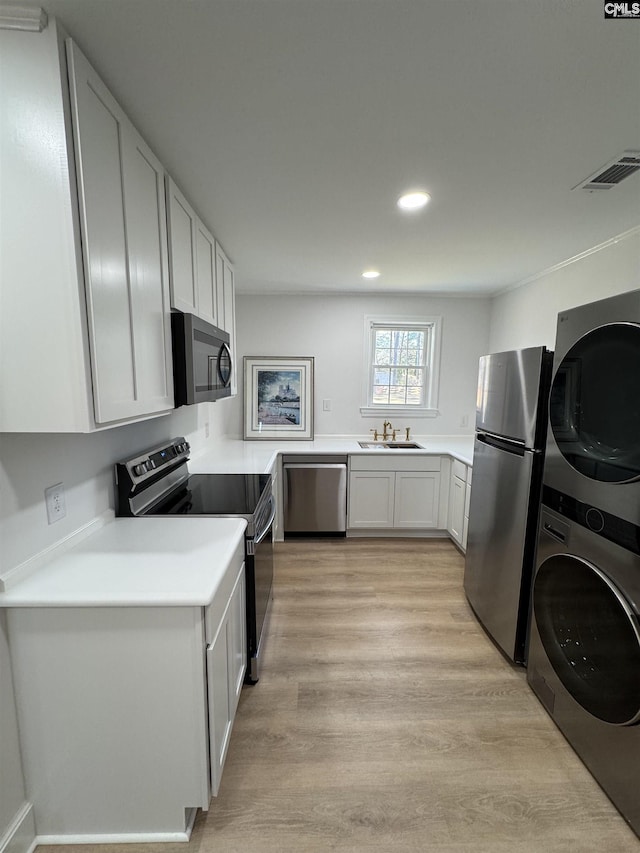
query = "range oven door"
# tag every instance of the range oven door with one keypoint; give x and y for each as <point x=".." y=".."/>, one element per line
<point x="259" y="570"/>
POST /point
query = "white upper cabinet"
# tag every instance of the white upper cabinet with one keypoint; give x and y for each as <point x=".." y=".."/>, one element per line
<point x="206" y="274"/>
<point x="85" y="336"/>
<point x="123" y="224"/>
<point x="192" y="259"/>
<point x="226" y="293"/>
<point x="182" y="228"/>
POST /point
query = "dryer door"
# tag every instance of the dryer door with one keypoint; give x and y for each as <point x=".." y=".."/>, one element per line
<point x="591" y="636"/>
<point x="595" y="404"/>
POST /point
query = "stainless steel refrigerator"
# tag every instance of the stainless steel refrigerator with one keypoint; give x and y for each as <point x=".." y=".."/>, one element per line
<point x="511" y="423"/>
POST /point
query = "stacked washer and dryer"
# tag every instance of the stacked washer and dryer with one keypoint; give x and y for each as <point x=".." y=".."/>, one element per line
<point x="584" y="642"/>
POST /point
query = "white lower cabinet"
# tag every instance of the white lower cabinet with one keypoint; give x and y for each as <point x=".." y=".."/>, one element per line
<point x="394" y="493"/>
<point x="125" y="713"/>
<point x="459" y="494"/>
<point x="467" y="504"/>
<point x="416" y="499"/>
<point x="226" y="662"/>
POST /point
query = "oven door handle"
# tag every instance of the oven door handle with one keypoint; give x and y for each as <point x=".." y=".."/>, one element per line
<point x="260" y="536"/>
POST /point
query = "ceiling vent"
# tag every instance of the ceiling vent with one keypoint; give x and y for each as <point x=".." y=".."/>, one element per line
<point x="613" y="172"/>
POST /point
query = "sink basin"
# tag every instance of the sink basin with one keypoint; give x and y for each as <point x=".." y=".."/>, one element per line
<point x="390" y="445"/>
<point x="403" y="445"/>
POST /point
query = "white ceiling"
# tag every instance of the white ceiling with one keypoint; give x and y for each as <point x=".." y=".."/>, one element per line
<point x="293" y="126"/>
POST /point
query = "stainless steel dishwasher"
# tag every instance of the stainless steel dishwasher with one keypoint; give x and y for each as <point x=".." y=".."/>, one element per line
<point x="315" y="495"/>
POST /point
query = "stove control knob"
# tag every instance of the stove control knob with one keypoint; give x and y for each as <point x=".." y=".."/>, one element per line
<point x="140" y="469"/>
<point x="150" y="465"/>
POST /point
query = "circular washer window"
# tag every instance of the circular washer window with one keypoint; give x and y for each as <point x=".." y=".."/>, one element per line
<point x="595" y="404"/>
<point x="590" y="634"/>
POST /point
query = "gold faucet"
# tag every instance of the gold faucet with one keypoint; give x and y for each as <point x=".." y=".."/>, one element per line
<point x="385" y="434"/>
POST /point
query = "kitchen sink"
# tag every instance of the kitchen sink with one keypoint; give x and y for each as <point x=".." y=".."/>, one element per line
<point x="390" y="445"/>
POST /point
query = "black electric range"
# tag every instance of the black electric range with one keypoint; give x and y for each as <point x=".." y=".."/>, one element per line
<point x="158" y="482"/>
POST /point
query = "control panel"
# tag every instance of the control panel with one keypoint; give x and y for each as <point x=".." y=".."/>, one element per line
<point x="144" y="479"/>
<point x="159" y="458"/>
<point x="140" y="466"/>
<point x="617" y="530"/>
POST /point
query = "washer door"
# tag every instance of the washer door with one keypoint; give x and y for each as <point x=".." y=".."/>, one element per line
<point x="595" y="404"/>
<point x="591" y="636"/>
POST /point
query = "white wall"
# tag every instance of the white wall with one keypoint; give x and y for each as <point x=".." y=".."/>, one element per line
<point x="331" y="328"/>
<point x="527" y="315"/>
<point x="84" y="463"/>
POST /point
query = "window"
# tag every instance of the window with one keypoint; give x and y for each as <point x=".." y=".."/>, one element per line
<point x="402" y="365"/>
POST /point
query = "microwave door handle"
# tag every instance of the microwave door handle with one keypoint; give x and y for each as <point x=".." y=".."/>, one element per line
<point x="211" y="371"/>
<point x="225" y="379"/>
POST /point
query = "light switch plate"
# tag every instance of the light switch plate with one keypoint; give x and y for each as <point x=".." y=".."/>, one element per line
<point x="56" y="506"/>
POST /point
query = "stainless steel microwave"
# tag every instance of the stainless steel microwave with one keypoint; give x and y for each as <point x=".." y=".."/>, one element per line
<point x="201" y="360"/>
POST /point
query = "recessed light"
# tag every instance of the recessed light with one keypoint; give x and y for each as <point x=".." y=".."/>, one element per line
<point x="370" y="274"/>
<point x="413" y="200"/>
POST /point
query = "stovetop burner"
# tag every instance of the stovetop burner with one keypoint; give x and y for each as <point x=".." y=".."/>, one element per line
<point x="215" y="494"/>
<point x="158" y="482"/>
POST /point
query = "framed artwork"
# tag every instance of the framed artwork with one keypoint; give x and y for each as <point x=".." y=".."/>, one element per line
<point x="278" y="398"/>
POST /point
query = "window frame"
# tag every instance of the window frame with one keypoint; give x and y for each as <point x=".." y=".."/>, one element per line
<point x="432" y="325"/>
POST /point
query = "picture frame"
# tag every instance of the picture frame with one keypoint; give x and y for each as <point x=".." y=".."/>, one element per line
<point x="278" y="398"/>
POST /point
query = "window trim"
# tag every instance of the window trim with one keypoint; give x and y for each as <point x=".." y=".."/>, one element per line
<point x="433" y="348"/>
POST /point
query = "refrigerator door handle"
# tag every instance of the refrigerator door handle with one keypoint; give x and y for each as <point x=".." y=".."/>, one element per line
<point x="507" y="444"/>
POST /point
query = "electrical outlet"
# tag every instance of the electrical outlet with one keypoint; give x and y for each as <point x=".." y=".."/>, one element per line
<point x="206" y="430"/>
<point x="326" y="405"/>
<point x="56" y="506"/>
<point x="464" y="421"/>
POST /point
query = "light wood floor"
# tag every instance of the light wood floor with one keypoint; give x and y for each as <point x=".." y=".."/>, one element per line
<point x="386" y="720"/>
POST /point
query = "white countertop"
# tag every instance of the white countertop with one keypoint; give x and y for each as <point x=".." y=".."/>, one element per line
<point x="136" y="562"/>
<point x="139" y="562"/>
<point x="235" y="456"/>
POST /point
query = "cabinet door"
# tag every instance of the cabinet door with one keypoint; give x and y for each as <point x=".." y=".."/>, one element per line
<point x="371" y="499"/>
<point x="182" y="248"/>
<point x="149" y="274"/>
<point x="225" y="290"/>
<point x="238" y="644"/>
<point x="206" y="274"/>
<point x="416" y="499"/>
<point x="220" y="714"/>
<point x="456" y="508"/>
<point x="467" y="504"/>
<point x="124" y="253"/>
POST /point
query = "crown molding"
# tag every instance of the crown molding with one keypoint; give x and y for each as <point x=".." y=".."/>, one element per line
<point x="23" y="18"/>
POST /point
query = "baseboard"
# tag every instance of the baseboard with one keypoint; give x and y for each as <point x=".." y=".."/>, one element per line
<point x="20" y="836"/>
<point x="396" y="533"/>
<point x="115" y="838"/>
<point x="122" y="837"/>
